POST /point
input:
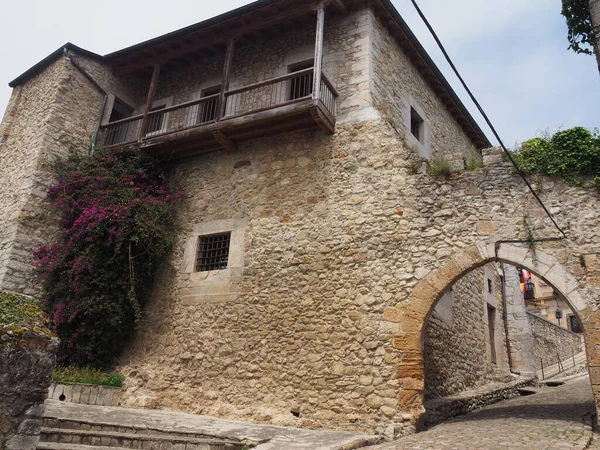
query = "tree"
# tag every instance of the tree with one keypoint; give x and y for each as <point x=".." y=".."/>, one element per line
<point x="583" y="21"/>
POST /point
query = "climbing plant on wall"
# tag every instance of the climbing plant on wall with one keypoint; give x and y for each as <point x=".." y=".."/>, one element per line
<point x="117" y="224"/>
<point x="573" y="154"/>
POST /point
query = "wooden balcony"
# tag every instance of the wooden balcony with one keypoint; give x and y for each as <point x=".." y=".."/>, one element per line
<point x="277" y="106"/>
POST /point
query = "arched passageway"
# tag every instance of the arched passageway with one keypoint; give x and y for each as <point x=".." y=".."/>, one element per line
<point x="412" y="315"/>
<point x="493" y="332"/>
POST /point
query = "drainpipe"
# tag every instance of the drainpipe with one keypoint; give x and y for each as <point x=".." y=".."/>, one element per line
<point x="99" y="88"/>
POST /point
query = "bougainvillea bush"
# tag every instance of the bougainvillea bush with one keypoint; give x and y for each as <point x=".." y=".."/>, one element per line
<point x="117" y="223"/>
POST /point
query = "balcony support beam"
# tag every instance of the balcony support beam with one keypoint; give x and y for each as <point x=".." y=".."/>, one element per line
<point x="340" y="5"/>
<point x="225" y="141"/>
<point x="319" y="52"/>
<point x="226" y="78"/>
<point x="149" y="101"/>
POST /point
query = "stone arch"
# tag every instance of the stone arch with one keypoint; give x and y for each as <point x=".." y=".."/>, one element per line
<point x="411" y="316"/>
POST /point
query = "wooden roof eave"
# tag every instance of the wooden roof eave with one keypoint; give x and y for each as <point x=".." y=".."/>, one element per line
<point x="425" y="65"/>
<point x="165" y="48"/>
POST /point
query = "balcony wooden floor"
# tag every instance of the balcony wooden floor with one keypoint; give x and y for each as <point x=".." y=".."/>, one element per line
<point x="227" y="133"/>
<point x="254" y="112"/>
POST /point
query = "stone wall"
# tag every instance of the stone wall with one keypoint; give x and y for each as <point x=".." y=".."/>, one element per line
<point x="520" y="335"/>
<point x="26" y="364"/>
<point x="85" y="394"/>
<point x="552" y="343"/>
<point x="398" y="86"/>
<point x="56" y="110"/>
<point x="457" y="353"/>
<point x="338" y="230"/>
<point x="339" y="236"/>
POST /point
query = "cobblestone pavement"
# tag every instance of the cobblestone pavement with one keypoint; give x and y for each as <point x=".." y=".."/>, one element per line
<point x="552" y="419"/>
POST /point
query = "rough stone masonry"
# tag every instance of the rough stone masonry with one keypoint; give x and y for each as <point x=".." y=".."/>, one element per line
<point x="340" y="245"/>
<point x="26" y="363"/>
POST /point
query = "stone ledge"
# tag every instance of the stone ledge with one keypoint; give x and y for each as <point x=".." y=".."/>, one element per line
<point x="85" y="394"/>
<point x="439" y="410"/>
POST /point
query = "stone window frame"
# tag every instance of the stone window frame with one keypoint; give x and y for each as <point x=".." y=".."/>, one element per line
<point x="421" y="144"/>
<point x="215" y="285"/>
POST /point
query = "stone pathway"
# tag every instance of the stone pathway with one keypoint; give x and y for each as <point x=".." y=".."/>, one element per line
<point x="552" y="419"/>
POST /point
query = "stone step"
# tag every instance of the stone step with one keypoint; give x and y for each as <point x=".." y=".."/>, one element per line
<point x="107" y="428"/>
<point x="137" y="440"/>
<point x="63" y="446"/>
<point x="71" y="419"/>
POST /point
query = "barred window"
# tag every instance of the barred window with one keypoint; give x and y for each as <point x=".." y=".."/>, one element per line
<point x="213" y="252"/>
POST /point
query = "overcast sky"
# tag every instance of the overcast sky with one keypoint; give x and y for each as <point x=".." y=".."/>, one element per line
<point x="513" y="53"/>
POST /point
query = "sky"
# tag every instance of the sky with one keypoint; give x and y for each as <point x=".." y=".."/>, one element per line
<point x="512" y="53"/>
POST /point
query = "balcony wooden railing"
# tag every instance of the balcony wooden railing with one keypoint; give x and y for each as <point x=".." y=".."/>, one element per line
<point x="184" y="115"/>
<point x="271" y="94"/>
<point x="121" y="131"/>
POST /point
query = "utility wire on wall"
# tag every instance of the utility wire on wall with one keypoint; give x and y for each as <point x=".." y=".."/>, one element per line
<point x="485" y="116"/>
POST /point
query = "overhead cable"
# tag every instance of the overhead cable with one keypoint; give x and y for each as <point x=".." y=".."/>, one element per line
<point x="485" y="116"/>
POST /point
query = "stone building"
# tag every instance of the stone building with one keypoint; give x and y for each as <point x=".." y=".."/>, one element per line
<point x="481" y="332"/>
<point x="543" y="301"/>
<point x="465" y="339"/>
<point x="303" y="132"/>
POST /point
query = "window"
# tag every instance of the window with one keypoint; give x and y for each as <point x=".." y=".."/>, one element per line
<point x="492" y="332"/>
<point x="125" y="131"/>
<point x="120" y="111"/>
<point x="417" y="125"/>
<point x="208" y="111"/>
<point x="213" y="252"/>
<point x="158" y="118"/>
<point x="302" y="85"/>
<point x="489" y="284"/>
<point x="156" y="121"/>
<point x="574" y="324"/>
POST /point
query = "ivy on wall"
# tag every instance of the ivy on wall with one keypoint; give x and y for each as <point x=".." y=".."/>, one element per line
<point x="117" y="224"/>
<point x="573" y="154"/>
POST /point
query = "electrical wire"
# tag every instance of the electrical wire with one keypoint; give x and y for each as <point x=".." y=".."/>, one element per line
<point x="485" y="116"/>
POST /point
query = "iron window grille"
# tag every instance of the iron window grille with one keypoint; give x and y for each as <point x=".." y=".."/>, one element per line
<point x="213" y="252"/>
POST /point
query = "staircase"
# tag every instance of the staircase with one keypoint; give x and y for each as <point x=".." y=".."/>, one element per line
<point x="82" y="427"/>
<point x="72" y="426"/>
<point x="74" y="435"/>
